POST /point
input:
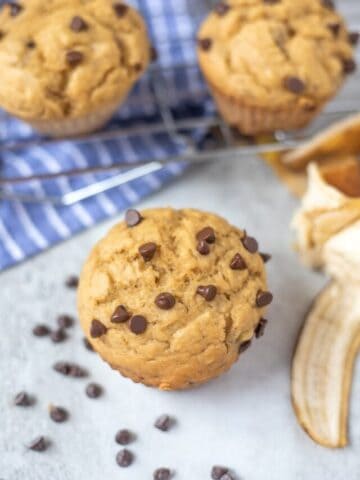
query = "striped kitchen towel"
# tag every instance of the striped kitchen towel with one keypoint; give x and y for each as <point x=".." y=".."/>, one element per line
<point x="27" y="229"/>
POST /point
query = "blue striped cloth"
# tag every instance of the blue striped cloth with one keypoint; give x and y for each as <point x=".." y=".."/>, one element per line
<point x="27" y="229"/>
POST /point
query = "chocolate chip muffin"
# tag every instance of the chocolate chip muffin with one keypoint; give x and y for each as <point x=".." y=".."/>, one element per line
<point x="273" y="64"/>
<point x="68" y="64"/>
<point x="170" y="298"/>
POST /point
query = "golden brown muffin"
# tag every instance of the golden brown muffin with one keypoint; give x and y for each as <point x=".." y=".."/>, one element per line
<point x="273" y="64"/>
<point x="171" y="297"/>
<point x="67" y="64"/>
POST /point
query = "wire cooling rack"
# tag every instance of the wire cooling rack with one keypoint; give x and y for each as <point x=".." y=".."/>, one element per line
<point x="218" y="140"/>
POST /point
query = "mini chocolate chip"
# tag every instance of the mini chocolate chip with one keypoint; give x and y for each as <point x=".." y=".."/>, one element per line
<point x="133" y="218"/>
<point x="163" y="423"/>
<point x="263" y="299"/>
<point x="74" y="58"/>
<point x="58" y="414"/>
<point x="120" y="9"/>
<point x="124" y="458"/>
<point x="138" y="67"/>
<point x="222" y="8"/>
<point x="41" y="330"/>
<point x="244" y="346"/>
<point x="250" y="244"/>
<point x="23" y="399"/>
<point x="70" y="369"/>
<point x="58" y="336"/>
<point x="207" y="291"/>
<point x="147" y="251"/>
<point x="87" y="345"/>
<point x="294" y="84"/>
<point x="334" y="28"/>
<point x="162" y="474"/>
<point x="165" y="301"/>
<point x="207" y="235"/>
<point x="266" y="257"/>
<point x="72" y="281"/>
<point x="123" y="437"/>
<point x="203" y="248"/>
<point x="205" y="44"/>
<point x="260" y="329"/>
<point x="78" y="24"/>
<point x="15" y="8"/>
<point x="30" y="44"/>
<point x="217" y="472"/>
<point x="93" y="390"/>
<point x="238" y="263"/>
<point x="39" y="444"/>
<point x="2" y="34"/>
<point x="271" y="2"/>
<point x="65" y="321"/>
<point x="349" y="65"/>
<point x="97" y="329"/>
<point x="153" y="54"/>
<point x="138" y="324"/>
<point x="354" y="38"/>
<point x="328" y="4"/>
<point x="121" y="315"/>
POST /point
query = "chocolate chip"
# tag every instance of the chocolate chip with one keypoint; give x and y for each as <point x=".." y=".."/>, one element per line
<point x="133" y="218"/>
<point x="163" y="423"/>
<point x="23" y="399"/>
<point x="124" y="458"/>
<point x="15" y="8"/>
<point x="205" y="44"/>
<point x="266" y="257"/>
<point x="354" y="38"/>
<point x="334" y="28"/>
<point x="121" y="315"/>
<point x="162" y="474"/>
<point x="244" y="346"/>
<point x="123" y="437"/>
<point x="78" y="24"/>
<point x="74" y="58"/>
<point x="203" y="248"/>
<point x="328" y="4"/>
<point x="39" y="444"/>
<point x="138" y="67"/>
<point x="30" y="44"/>
<point x="58" y="414"/>
<point x="207" y="235"/>
<point x="217" y="472"/>
<point x="250" y="244"/>
<point x="41" y="330"/>
<point x="87" y="345"/>
<point x="93" y="390"/>
<point x="153" y="54"/>
<point x="72" y="281"/>
<point x="294" y="84"/>
<point x="349" y="65"/>
<point x="222" y="8"/>
<point x="65" y="321"/>
<point x="70" y="369"/>
<point x="271" y="2"/>
<point x="138" y="324"/>
<point x="165" y="301"/>
<point x="260" y="329"/>
<point x="120" y="9"/>
<point x="207" y="291"/>
<point x="58" y="336"/>
<point x="97" y="329"/>
<point x="147" y="251"/>
<point x="263" y="299"/>
<point x="238" y="263"/>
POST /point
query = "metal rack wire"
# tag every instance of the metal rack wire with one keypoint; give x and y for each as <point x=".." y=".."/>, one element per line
<point x="219" y="141"/>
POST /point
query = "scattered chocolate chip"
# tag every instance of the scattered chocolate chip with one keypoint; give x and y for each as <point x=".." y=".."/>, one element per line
<point x="121" y="315"/>
<point x="334" y="28"/>
<point x="58" y="414"/>
<point x="147" y="251"/>
<point x="217" y="472"/>
<point x="222" y="8"/>
<point x="271" y="2"/>
<point x="294" y="84"/>
<point x="263" y="299"/>
<point x="354" y="38"/>
<point x="153" y="54"/>
<point x="238" y="263"/>
<point x="250" y="244"/>
<point x="124" y="437"/>
<point x="203" y="248"/>
<point x="39" y="444"/>
<point x="15" y="8"/>
<point x="260" y="329"/>
<point x="207" y="235"/>
<point x="72" y="281"/>
<point x="30" y="44"/>
<point x="163" y="423"/>
<point x="205" y="44"/>
<point x="207" y="291"/>
<point x="41" y="330"/>
<point x="58" y="336"/>
<point x="120" y="9"/>
<point x="97" y="329"/>
<point x="244" y="346"/>
<point x="328" y="4"/>
<point x="138" y="324"/>
<point x="93" y="390"/>
<point x="133" y="218"/>
<point x="266" y="257"/>
<point x="138" y="67"/>
<point x="162" y="474"/>
<point x="78" y="24"/>
<point x="124" y="458"/>
<point x="349" y="65"/>
<point x="2" y="34"/>
<point x="65" y="321"/>
<point x="87" y="345"/>
<point x="23" y="399"/>
<point x="165" y="301"/>
<point x="74" y="58"/>
<point x="70" y="369"/>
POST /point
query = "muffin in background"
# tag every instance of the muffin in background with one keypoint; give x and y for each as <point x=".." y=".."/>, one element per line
<point x="67" y="65"/>
<point x="274" y="64"/>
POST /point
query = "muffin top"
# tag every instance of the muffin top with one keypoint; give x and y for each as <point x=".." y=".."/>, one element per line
<point x="65" y="58"/>
<point x="274" y="52"/>
<point x="169" y="288"/>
